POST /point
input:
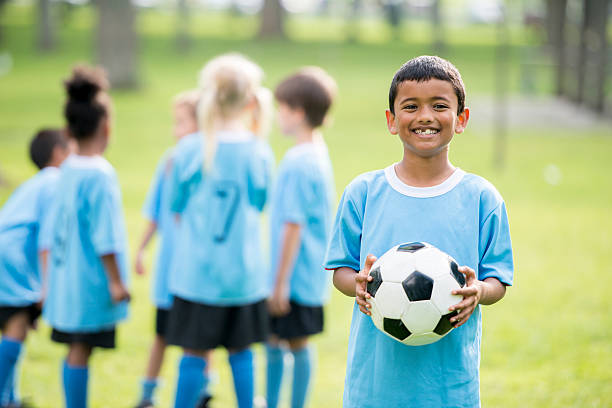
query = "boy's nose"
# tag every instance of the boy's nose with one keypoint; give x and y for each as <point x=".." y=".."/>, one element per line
<point x="425" y="115"/>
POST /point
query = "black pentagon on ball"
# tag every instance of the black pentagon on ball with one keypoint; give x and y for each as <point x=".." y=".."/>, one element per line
<point x="396" y="328"/>
<point x="410" y="247"/>
<point x="418" y="286"/>
<point x="376" y="281"/>
<point x="444" y="325"/>
<point x="459" y="277"/>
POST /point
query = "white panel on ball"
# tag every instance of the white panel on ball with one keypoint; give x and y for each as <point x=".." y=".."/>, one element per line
<point x="442" y="296"/>
<point x="391" y="299"/>
<point x="431" y="262"/>
<point x="421" y="316"/>
<point x="376" y="316"/>
<point x="398" y="265"/>
<point x="421" y="339"/>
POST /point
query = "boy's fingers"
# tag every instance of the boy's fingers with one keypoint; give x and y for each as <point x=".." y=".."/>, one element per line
<point x="368" y="263"/>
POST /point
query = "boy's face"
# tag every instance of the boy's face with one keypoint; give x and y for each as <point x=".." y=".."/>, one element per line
<point x="426" y="117"/>
<point x="289" y="120"/>
<point x="184" y="121"/>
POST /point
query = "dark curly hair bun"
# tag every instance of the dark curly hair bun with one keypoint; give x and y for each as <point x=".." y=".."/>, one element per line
<point x="83" y="110"/>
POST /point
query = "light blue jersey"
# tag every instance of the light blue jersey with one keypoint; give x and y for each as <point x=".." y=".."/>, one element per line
<point x="21" y="219"/>
<point x="303" y="194"/>
<point x="87" y="224"/>
<point x="218" y="260"/>
<point x="157" y="209"/>
<point x="465" y="217"/>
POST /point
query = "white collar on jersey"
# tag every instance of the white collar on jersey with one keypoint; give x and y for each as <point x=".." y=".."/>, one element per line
<point x="88" y="162"/>
<point x="229" y="136"/>
<point x="423" y="192"/>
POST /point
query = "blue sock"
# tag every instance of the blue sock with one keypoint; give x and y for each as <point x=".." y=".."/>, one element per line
<point x="10" y="393"/>
<point x="243" y="373"/>
<point x="204" y="390"/>
<point x="190" y="380"/>
<point x="9" y="355"/>
<point x="276" y="364"/>
<point x="302" y="368"/>
<point x="148" y="389"/>
<point x="75" y="385"/>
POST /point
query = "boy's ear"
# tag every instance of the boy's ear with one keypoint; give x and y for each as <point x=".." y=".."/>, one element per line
<point x="391" y="122"/>
<point x="462" y="120"/>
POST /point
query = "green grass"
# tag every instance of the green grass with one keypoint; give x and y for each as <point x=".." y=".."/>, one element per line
<point x="547" y="344"/>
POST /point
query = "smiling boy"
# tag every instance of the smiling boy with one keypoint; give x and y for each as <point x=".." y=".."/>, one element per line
<point x="421" y="198"/>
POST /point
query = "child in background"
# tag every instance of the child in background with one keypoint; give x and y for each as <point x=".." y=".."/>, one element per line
<point x="300" y="220"/>
<point x="87" y="294"/>
<point x="22" y="252"/>
<point x="219" y="188"/>
<point x="157" y="211"/>
<point x="421" y="198"/>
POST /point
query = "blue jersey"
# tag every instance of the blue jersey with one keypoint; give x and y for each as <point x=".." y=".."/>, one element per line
<point x="465" y="217"/>
<point x="219" y="260"/>
<point x="303" y="194"/>
<point x="157" y="209"/>
<point x="87" y="224"/>
<point x="21" y="219"/>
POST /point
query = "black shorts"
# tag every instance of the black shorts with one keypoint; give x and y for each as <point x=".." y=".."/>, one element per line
<point x="6" y="312"/>
<point x="299" y="322"/>
<point x="204" y="327"/>
<point x="161" y="322"/>
<point x="103" y="339"/>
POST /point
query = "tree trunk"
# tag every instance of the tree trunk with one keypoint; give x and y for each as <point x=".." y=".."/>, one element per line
<point x="597" y="44"/>
<point x="116" y="38"/>
<point x="272" y="16"/>
<point x="46" y="27"/>
<point x="2" y="3"/>
<point x="502" y="56"/>
<point x="438" y="28"/>
<point x="555" y="27"/>
<point x="183" y="39"/>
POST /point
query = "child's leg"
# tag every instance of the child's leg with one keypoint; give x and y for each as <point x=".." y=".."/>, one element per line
<point x="156" y="358"/>
<point x="76" y="375"/>
<point x="204" y="392"/>
<point x="241" y="362"/>
<point x="13" y="335"/>
<point x="302" y="369"/>
<point x="190" y="378"/>
<point x="275" y="366"/>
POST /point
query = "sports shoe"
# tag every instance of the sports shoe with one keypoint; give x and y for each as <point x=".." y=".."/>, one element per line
<point x="145" y="404"/>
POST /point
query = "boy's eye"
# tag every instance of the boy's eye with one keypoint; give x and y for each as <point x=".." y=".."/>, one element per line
<point x="440" y="106"/>
<point x="410" y="107"/>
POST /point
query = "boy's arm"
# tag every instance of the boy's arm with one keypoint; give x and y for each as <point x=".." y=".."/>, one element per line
<point x="146" y="238"/>
<point x="353" y="283"/>
<point x="117" y="289"/>
<point x="485" y="292"/>
<point x="279" y="301"/>
<point x="43" y="256"/>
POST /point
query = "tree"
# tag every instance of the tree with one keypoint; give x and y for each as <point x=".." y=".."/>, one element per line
<point x="272" y="16"/>
<point x="438" y="27"/>
<point x="116" y="41"/>
<point x="45" y="27"/>
<point x="183" y="39"/>
<point x="2" y="3"/>
<point x="556" y="11"/>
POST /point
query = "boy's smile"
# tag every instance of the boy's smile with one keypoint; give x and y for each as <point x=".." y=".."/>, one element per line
<point x="426" y="117"/>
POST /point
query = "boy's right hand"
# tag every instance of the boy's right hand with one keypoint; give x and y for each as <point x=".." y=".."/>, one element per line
<point x="139" y="264"/>
<point x="119" y="292"/>
<point x="361" y="284"/>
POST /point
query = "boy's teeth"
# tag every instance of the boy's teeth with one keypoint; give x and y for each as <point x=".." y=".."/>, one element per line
<point x="426" y="131"/>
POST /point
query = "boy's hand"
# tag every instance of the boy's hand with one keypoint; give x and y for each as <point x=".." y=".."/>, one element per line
<point x="278" y="303"/>
<point x="361" y="282"/>
<point x="119" y="292"/>
<point x="471" y="292"/>
<point x="139" y="264"/>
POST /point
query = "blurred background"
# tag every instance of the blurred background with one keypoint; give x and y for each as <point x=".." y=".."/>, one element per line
<point x="537" y="75"/>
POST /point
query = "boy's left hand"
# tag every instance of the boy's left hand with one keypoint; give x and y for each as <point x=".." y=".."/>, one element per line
<point x="471" y="292"/>
<point x="278" y="303"/>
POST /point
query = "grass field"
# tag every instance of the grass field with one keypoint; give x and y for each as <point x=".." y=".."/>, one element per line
<point x="547" y="344"/>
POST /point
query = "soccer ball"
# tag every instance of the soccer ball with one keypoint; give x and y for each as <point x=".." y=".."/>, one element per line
<point x="411" y="292"/>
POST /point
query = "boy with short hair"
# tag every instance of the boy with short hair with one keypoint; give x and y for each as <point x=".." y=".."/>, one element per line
<point x="421" y="198"/>
<point x="300" y="220"/>
<point x="21" y="250"/>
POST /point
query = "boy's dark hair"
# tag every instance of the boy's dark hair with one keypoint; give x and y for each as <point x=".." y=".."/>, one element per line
<point x="83" y="109"/>
<point x="424" y="68"/>
<point x="43" y="143"/>
<point x="310" y="89"/>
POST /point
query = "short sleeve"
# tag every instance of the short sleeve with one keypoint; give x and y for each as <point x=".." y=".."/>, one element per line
<point x="344" y="246"/>
<point x="260" y="175"/>
<point x="45" y="217"/>
<point x="184" y="175"/>
<point x="152" y="205"/>
<point x="298" y="196"/>
<point x="105" y="217"/>
<point x="495" y="247"/>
